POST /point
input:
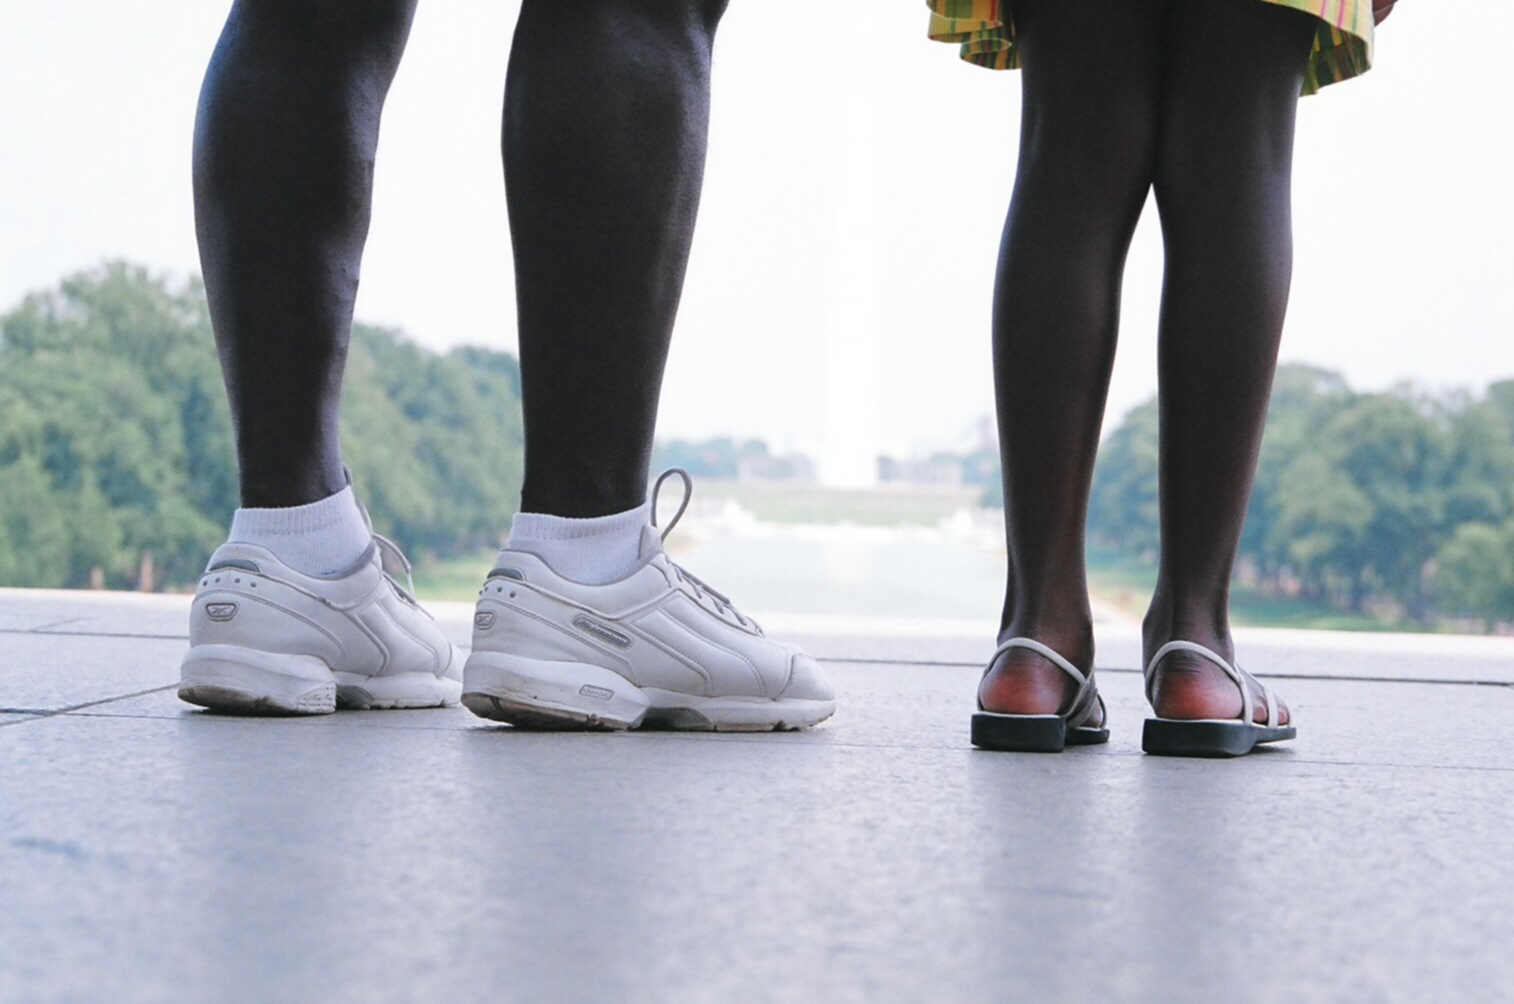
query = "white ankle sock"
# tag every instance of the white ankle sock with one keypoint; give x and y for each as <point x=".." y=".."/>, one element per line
<point x="322" y="538"/>
<point x="593" y="551"/>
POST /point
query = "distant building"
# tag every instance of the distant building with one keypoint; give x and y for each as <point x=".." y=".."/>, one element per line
<point x="787" y="467"/>
<point x="943" y="470"/>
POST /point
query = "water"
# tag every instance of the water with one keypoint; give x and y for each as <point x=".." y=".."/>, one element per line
<point x="951" y="571"/>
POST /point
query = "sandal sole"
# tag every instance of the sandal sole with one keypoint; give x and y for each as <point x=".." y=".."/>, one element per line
<point x="1208" y="738"/>
<point x="1031" y="733"/>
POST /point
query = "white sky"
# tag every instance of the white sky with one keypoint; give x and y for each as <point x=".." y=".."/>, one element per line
<point x="838" y="296"/>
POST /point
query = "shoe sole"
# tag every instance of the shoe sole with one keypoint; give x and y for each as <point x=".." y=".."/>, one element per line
<point x="236" y="680"/>
<point x="1208" y="737"/>
<point x="548" y="694"/>
<point x="355" y="692"/>
<point x="1031" y="733"/>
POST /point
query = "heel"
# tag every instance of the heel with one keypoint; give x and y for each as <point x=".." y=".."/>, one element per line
<point x="247" y="681"/>
<point x="1019" y="733"/>
<point x="547" y="694"/>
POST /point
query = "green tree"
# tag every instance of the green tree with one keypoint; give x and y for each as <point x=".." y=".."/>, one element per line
<point x="114" y="427"/>
<point x="1474" y="572"/>
<point x="1358" y="497"/>
<point x="1123" y="509"/>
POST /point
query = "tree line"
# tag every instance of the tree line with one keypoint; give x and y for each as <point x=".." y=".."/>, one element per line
<point x="1398" y="501"/>
<point x="116" y="460"/>
<point x="117" y="468"/>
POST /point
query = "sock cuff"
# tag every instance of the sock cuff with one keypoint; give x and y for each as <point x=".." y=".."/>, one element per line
<point x="335" y="510"/>
<point x="543" y="526"/>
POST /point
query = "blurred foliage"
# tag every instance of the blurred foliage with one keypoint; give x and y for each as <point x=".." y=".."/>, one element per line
<point x="116" y="460"/>
<point x="1361" y="500"/>
<point x="117" y="468"/>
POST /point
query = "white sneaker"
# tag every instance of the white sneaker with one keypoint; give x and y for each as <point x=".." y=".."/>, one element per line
<point x="265" y="638"/>
<point x="658" y="647"/>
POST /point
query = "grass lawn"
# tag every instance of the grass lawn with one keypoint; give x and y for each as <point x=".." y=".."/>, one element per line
<point x="457" y="578"/>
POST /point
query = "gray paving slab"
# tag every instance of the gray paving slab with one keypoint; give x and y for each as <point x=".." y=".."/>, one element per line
<point x="886" y="705"/>
<point x="148" y="851"/>
<point x="46" y="673"/>
<point x="1276" y="652"/>
<point x="73" y="611"/>
<point x="135" y="615"/>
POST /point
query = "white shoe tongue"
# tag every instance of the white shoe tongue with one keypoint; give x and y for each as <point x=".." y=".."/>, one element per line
<point x="651" y="543"/>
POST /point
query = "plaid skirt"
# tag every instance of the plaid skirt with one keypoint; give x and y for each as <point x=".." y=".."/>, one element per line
<point x="986" y="31"/>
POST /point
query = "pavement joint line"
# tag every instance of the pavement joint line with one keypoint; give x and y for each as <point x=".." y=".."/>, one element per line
<point x="54" y="624"/>
<point x="37" y="713"/>
<point x="46" y="629"/>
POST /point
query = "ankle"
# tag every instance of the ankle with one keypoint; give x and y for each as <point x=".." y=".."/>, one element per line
<point x="588" y="495"/>
<point x="1204" y="624"/>
<point x="594" y="550"/>
<point x="284" y="482"/>
<point x="321" y="538"/>
<point x="1071" y="639"/>
<point x="1201" y="630"/>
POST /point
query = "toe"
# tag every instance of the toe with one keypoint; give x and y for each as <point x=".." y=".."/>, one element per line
<point x="806" y="681"/>
<point x="1284" y="717"/>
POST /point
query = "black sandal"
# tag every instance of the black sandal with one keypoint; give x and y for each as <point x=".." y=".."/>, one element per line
<point x="1082" y="724"/>
<point x="1212" y="737"/>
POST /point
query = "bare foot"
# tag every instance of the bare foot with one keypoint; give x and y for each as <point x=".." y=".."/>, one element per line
<point x="1187" y="685"/>
<point x="1021" y="682"/>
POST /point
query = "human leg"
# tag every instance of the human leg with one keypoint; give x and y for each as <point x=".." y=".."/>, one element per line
<point x="1088" y="139"/>
<point x="604" y="137"/>
<point x="606" y="112"/>
<point x="283" y="171"/>
<point x="303" y="609"/>
<point x="1223" y="189"/>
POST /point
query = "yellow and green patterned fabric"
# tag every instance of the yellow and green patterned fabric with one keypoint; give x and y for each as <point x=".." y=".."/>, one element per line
<point x="986" y="31"/>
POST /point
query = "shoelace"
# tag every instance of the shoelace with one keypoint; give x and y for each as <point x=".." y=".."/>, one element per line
<point x="392" y="561"/>
<point x="701" y="588"/>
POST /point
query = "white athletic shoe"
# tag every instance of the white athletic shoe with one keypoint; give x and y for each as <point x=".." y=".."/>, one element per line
<point x="265" y="638"/>
<point x="658" y="647"/>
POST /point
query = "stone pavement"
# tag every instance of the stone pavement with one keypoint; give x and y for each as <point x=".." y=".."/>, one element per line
<point x="149" y="851"/>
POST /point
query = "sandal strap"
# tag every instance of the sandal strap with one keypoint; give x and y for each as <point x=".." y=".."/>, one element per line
<point x="1074" y="720"/>
<point x="1234" y="672"/>
<point x="1085" y="681"/>
<point x="1272" y="709"/>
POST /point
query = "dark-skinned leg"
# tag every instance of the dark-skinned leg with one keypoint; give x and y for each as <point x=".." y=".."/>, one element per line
<point x="606" y="113"/>
<point x="1087" y="143"/>
<point x="283" y="170"/>
<point x="1223" y="188"/>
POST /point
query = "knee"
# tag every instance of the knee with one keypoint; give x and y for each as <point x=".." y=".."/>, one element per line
<point x="1102" y="165"/>
<point x="1212" y="179"/>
